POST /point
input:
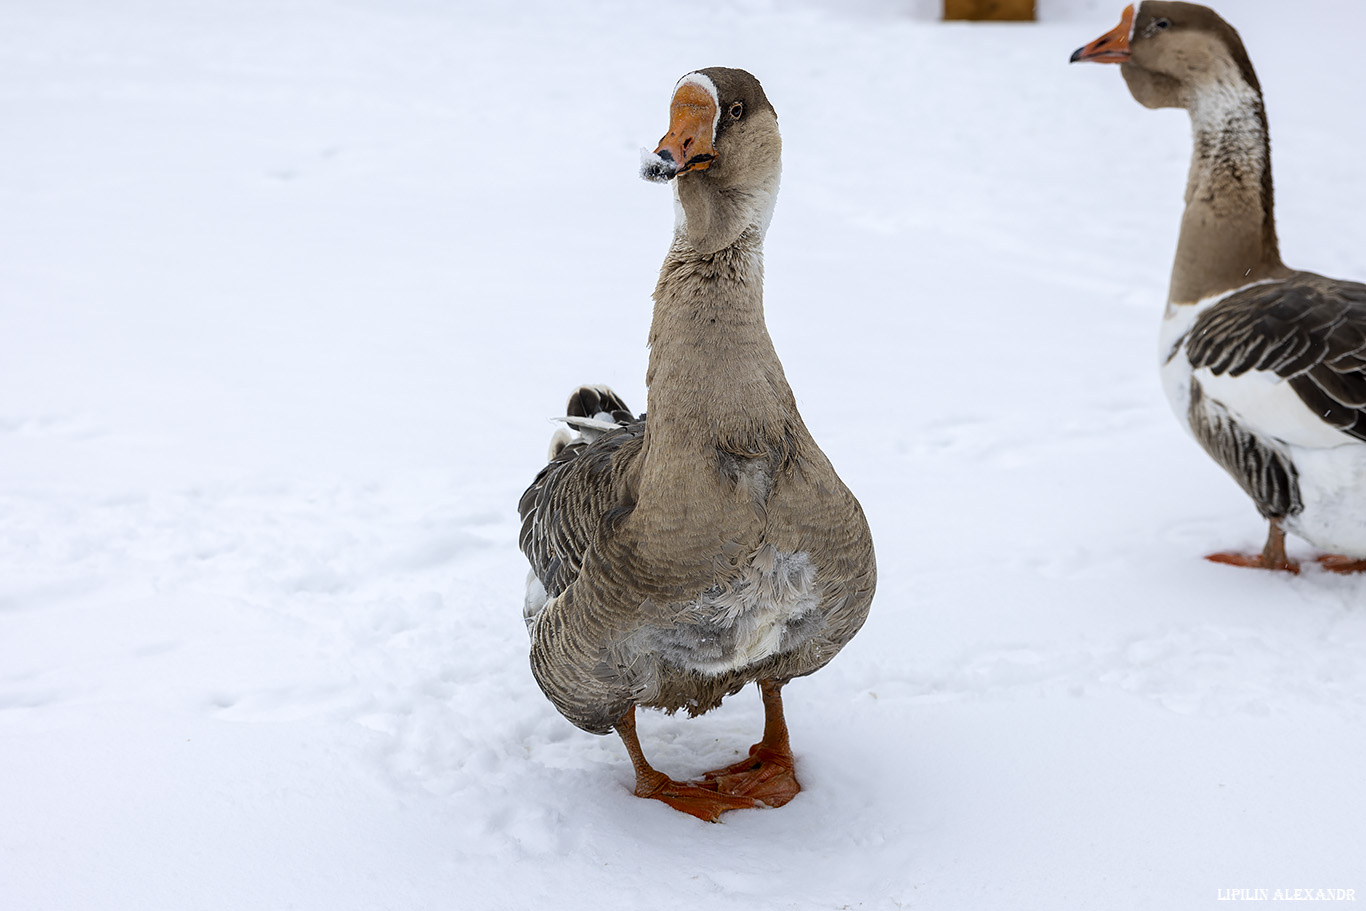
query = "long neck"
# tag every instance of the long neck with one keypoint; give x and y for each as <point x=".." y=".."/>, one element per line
<point x="714" y="377"/>
<point x="1228" y="231"/>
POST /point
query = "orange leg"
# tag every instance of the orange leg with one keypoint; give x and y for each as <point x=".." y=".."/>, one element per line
<point x="768" y="774"/>
<point x="697" y="798"/>
<point x="1272" y="555"/>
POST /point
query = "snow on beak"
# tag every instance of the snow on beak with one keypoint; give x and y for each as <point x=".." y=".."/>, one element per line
<point x="1113" y="46"/>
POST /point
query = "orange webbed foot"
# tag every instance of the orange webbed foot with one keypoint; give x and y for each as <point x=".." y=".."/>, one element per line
<point x="696" y="798"/>
<point x="1256" y="561"/>
<point x="766" y="775"/>
<point x="1272" y="556"/>
<point x="1337" y="563"/>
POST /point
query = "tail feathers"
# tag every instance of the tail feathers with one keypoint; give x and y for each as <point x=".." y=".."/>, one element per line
<point x="598" y="402"/>
<point x="558" y="440"/>
<point x="592" y="411"/>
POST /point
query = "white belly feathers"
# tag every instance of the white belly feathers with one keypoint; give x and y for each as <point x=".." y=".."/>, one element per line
<point x="769" y="609"/>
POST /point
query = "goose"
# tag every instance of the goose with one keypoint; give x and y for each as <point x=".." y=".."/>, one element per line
<point x="680" y="555"/>
<point x="1265" y="364"/>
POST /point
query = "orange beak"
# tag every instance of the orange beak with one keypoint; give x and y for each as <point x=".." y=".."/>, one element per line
<point x="1113" y="46"/>
<point x="692" y="120"/>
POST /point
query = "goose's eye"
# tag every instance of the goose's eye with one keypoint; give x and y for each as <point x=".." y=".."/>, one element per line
<point x="737" y="110"/>
<point x="1160" y="24"/>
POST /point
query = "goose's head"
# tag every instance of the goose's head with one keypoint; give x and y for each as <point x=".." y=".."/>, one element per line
<point x="1172" y="54"/>
<point x="723" y="154"/>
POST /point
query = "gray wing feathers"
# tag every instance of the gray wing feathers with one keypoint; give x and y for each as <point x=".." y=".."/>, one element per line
<point x="1266" y="475"/>
<point x="563" y="510"/>
<point x="1308" y="330"/>
<point x="570" y="502"/>
<point x="573" y="668"/>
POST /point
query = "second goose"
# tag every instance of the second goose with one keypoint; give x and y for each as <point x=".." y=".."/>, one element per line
<point x="1266" y="365"/>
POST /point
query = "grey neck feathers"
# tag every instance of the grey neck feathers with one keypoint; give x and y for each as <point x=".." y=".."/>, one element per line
<point x="714" y="378"/>
<point x="1228" y="231"/>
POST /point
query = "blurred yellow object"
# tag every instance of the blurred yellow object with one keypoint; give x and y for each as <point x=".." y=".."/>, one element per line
<point x="1002" y="10"/>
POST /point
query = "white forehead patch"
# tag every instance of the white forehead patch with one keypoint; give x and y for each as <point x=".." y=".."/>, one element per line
<point x="705" y="82"/>
<point x="1133" y="23"/>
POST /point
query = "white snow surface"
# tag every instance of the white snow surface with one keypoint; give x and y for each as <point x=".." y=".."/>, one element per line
<point x="289" y="290"/>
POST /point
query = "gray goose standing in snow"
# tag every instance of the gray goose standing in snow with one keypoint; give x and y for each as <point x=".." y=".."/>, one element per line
<point x="678" y="559"/>
<point x="1265" y="364"/>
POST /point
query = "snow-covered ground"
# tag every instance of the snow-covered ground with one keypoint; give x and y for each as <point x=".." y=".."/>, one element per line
<point x="289" y="290"/>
